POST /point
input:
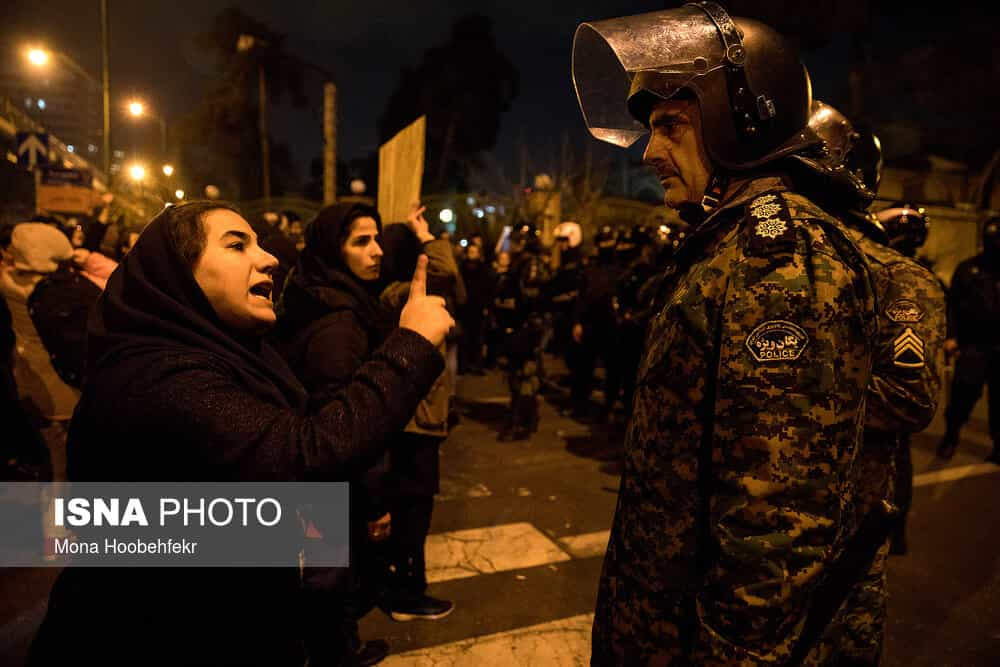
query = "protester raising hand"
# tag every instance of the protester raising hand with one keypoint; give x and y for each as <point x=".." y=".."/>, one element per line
<point x="424" y="314"/>
<point x="418" y="224"/>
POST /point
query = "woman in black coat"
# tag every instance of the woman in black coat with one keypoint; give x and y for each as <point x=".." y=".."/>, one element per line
<point x="330" y="322"/>
<point x="181" y="388"/>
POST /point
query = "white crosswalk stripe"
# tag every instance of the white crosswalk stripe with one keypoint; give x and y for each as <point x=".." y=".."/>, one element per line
<point x="565" y="643"/>
<point x="469" y="553"/>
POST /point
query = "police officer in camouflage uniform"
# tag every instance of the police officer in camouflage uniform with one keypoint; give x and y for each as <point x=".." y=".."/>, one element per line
<point x="906" y="226"/>
<point x="902" y="395"/>
<point x="519" y="307"/>
<point x="737" y="493"/>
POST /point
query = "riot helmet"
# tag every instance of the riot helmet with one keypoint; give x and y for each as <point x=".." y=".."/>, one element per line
<point x="669" y="238"/>
<point x="752" y="89"/>
<point x="991" y="239"/>
<point x="833" y="171"/>
<point x="627" y="248"/>
<point x="569" y="232"/>
<point x="642" y="234"/>
<point x="865" y="158"/>
<point x="906" y="226"/>
<point x="526" y="237"/>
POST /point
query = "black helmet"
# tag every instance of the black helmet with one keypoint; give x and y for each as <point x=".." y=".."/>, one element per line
<point x="991" y="233"/>
<point x="838" y="168"/>
<point x="628" y="245"/>
<point x="865" y="158"/>
<point x="669" y="237"/>
<point x="606" y="237"/>
<point x="528" y="235"/>
<point x="753" y="90"/>
<point x="642" y="234"/>
<point x="525" y="232"/>
<point x="906" y="226"/>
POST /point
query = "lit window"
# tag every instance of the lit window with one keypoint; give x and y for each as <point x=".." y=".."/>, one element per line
<point x="91" y="148"/>
<point x="119" y="154"/>
<point x="27" y="102"/>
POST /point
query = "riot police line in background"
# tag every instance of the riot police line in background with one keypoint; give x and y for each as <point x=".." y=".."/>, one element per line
<point x="581" y="301"/>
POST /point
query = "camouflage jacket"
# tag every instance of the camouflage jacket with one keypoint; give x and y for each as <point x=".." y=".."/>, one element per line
<point x="902" y="398"/>
<point x="737" y="489"/>
<point x="905" y="385"/>
<point x="903" y="394"/>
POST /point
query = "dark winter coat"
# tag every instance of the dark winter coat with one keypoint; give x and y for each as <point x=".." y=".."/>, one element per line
<point x="171" y="395"/>
<point x="416" y="470"/>
<point x="974" y="301"/>
<point x="330" y="323"/>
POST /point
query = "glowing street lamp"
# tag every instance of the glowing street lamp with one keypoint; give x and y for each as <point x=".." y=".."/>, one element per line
<point x="137" y="173"/>
<point x="179" y="194"/>
<point x="137" y="109"/>
<point x="38" y="57"/>
<point x="168" y="170"/>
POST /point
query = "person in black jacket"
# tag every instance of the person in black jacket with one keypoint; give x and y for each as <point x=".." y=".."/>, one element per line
<point x="974" y="333"/>
<point x="330" y="322"/>
<point x="479" y="283"/>
<point x="595" y="329"/>
<point x="182" y="388"/>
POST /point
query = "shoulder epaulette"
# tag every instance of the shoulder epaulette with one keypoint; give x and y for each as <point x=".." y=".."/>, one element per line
<point x="768" y="225"/>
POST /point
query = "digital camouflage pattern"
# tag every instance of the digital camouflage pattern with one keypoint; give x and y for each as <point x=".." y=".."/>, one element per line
<point x="737" y="490"/>
<point x="902" y="398"/>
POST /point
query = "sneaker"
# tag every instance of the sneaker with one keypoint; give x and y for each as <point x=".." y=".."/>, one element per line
<point x="424" y="608"/>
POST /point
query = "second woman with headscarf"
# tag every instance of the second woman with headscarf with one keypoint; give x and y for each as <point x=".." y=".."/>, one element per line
<point x="330" y="323"/>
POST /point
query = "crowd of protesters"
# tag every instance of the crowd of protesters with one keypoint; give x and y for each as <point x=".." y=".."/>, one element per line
<point x="338" y="289"/>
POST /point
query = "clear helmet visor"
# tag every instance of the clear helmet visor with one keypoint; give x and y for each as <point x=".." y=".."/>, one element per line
<point x="657" y="53"/>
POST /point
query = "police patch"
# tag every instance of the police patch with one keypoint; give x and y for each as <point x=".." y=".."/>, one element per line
<point x="908" y="350"/>
<point x="904" y="310"/>
<point x="776" y="341"/>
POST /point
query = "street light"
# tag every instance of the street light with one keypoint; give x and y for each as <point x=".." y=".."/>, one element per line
<point x="138" y="109"/>
<point x="168" y="170"/>
<point x="137" y="173"/>
<point x="38" y="57"/>
<point x="179" y="194"/>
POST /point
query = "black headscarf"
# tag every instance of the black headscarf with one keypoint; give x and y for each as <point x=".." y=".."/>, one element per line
<point x="154" y="306"/>
<point x="322" y="282"/>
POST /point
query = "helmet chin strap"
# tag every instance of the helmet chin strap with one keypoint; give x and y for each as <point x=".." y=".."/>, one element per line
<point x="696" y="213"/>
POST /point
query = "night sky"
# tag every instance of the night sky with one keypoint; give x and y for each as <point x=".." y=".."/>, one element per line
<point x="154" y="55"/>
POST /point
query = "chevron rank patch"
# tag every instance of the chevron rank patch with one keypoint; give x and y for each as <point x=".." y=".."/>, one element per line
<point x="776" y="341"/>
<point x="769" y="224"/>
<point x="908" y="350"/>
<point x="904" y="310"/>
